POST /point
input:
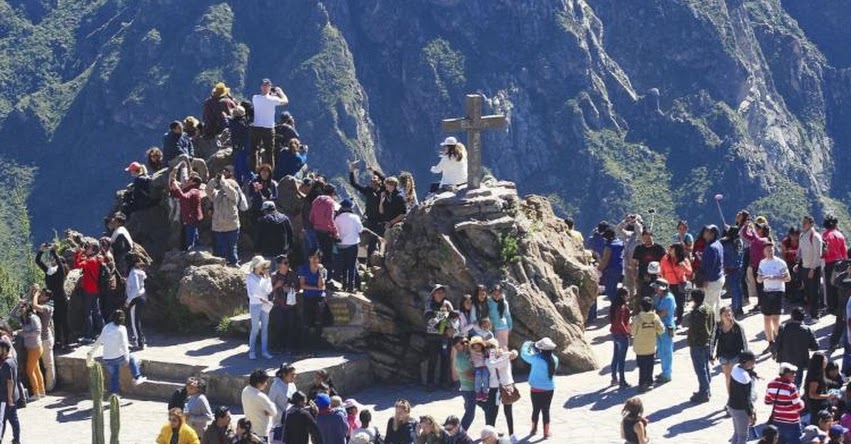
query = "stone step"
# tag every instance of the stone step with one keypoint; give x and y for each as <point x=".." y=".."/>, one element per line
<point x="170" y="371"/>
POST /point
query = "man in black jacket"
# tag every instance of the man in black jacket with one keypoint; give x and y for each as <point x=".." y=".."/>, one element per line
<point x="372" y="197"/>
<point x="794" y="342"/>
<point x="273" y="233"/>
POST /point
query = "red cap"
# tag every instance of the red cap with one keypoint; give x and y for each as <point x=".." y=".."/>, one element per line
<point x="134" y="167"/>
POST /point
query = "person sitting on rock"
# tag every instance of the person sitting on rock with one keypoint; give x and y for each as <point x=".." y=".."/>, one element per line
<point x="261" y="189"/>
<point x="291" y="160"/>
<point x="191" y="214"/>
<point x="452" y="165"/>
<point x="284" y="315"/>
<point x="116" y="352"/>
<point x="240" y="139"/>
<point x="175" y="143"/>
<point x="154" y="159"/>
<point x="216" y="108"/>
<point x="391" y="205"/>
<point x="138" y="195"/>
<point x="273" y="232"/>
<point x="224" y="192"/>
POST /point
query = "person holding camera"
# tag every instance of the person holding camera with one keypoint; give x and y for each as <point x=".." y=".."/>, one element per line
<point x="291" y="160"/>
<point x="263" y="132"/>
<point x="227" y="199"/>
<point x="55" y="271"/>
<point x="31" y="329"/>
<point x="89" y="261"/>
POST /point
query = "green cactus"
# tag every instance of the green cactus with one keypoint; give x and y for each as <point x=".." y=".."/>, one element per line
<point x="114" y="419"/>
<point x="96" y="387"/>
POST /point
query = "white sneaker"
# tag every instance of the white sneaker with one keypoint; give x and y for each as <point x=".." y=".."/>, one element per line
<point x="266" y="355"/>
<point x="252" y="356"/>
<point x="140" y="380"/>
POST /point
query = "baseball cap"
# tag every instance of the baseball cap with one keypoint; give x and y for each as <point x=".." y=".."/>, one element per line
<point x="837" y="430"/>
<point x="265" y="82"/>
<point x="323" y="401"/>
<point x="134" y="167"/>
<point x="267" y="206"/>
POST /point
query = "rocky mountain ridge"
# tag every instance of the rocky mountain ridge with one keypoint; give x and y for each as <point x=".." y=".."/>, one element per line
<point x="613" y="106"/>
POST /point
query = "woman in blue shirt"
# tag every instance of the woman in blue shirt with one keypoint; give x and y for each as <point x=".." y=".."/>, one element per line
<point x="311" y="277"/>
<point x="500" y="316"/>
<point x="544" y="364"/>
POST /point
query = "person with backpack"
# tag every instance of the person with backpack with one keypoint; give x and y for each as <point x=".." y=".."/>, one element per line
<point x="228" y="201"/>
<point x="89" y="261"/>
<point x="810" y="248"/>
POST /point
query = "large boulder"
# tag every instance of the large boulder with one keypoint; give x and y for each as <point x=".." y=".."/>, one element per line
<point x="483" y="236"/>
<point x="213" y="291"/>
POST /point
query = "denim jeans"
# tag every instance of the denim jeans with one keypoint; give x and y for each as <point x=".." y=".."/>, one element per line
<point x="734" y="285"/>
<point x="469" y="409"/>
<point x="225" y="245"/>
<point x="700" y="361"/>
<point x="310" y="242"/>
<point x="789" y="433"/>
<point x="482" y="380"/>
<point x="621" y="344"/>
<point x="113" y="366"/>
<point x="665" y="353"/>
<point x="347" y="261"/>
<point x="9" y="413"/>
<point x="259" y="325"/>
<point x="190" y="236"/>
<point x="91" y="310"/>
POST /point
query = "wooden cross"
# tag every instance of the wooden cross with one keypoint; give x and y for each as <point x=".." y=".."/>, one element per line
<point x="474" y="123"/>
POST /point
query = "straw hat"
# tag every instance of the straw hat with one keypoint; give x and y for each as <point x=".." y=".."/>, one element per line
<point x="258" y="262"/>
<point x="220" y="89"/>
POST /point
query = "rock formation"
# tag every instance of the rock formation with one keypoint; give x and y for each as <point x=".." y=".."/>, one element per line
<point x="484" y="236"/>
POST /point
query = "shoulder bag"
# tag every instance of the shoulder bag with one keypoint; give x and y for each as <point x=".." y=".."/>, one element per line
<point x="508" y="393"/>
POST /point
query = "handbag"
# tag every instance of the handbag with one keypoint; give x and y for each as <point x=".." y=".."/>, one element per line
<point x="508" y="393"/>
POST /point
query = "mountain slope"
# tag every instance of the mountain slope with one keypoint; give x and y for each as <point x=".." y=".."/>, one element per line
<point x="613" y="106"/>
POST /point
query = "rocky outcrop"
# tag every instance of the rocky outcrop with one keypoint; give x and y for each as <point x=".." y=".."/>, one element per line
<point x="484" y="236"/>
<point x="212" y="290"/>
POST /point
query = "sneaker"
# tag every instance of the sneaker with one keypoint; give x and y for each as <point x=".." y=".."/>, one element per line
<point x="140" y="380"/>
<point x="662" y="380"/>
<point x="614" y="382"/>
<point x="252" y="356"/>
<point x="624" y="384"/>
<point x="266" y="355"/>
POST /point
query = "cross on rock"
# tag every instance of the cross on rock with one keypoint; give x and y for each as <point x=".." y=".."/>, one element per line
<point x="474" y="123"/>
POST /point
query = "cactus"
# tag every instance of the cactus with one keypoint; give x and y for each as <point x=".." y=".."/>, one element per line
<point x="96" y="388"/>
<point x="114" y="419"/>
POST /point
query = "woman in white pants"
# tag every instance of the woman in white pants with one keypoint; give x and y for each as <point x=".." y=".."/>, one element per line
<point x="259" y="287"/>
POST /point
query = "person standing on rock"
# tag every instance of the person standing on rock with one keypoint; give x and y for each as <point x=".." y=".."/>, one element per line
<point x="701" y="327"/>
<point x="258" y="408"/>
<point x="138" y="195"/>
<point x="240" y="139"/>
<point x="452" y="165"/>
<point x="500" y="316"/>
<point x="436" y="314"/>
<point x="665" y="308"/>
<point x="55" y="270"/>
<point x="611" y="268"/>
<point x="646" y="327"/>
<point x="322" y="220"/>
<point x="217" y="108"/>
<point x="349" y="228"/>
<point x="259" y="287"/>
<point x="121" y="242"/>
<point x="712" y="267"/>
<point x="284" y="315"/>
<point x="262" y="188"/>
<point x="540" y="357"/>
<point x="291" y="160"/>
<point x="273" y="232"/>
<point x="263" y="131"/>
<point x="191" y="213"/>
<point x="572" y="232"/>
<point x="88" y="260"/>
<point x="227" y="199"/>
<point x="372" y="196"/>
<point x="312" y="277"/>
<point x="176" y="143"/>
<point x="391" y="204"/>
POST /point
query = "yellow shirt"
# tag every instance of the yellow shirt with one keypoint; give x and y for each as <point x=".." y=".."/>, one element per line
<point x="184" y="436"/>
<point x="646" y="326"/>
<point x="577" y="235"/>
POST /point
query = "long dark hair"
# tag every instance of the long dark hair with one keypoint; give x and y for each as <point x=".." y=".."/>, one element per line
<point x="620" y="301"/>
<point x="551" y="363"/>
<point x="465" y="311"/>
<point x="500" y="304"/>
<point x="679" y="251"/>
<point x="815" y="370"/>
<point x="481" y="307"/>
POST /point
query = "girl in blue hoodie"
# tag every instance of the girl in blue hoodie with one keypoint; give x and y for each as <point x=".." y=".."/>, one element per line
<point x="500" y="316"/>
<point x="544" y="363"/>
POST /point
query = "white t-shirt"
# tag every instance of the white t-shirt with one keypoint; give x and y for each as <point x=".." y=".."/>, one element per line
<point x="773" y="267"/>
<point x="454" y="171"/>
<point x="349" y="227"/>
<point x="264" y="109"/>
<point x="259" y="409"/>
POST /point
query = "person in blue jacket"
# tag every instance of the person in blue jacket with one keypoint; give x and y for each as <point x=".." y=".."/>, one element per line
<point x="666" y="308"/>
<point x="712" y="268"/>
<point x="500" y="316"/>
<point x="544" y="363"/>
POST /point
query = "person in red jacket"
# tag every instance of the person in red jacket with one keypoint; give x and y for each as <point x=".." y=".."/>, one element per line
<point x="835" y="250"/>
<point x="88" y="260"/>
<point x="322" y="218"/>
<point x="190" y="208"/>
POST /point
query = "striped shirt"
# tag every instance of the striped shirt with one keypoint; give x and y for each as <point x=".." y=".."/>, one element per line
<point x="786" y="399"/>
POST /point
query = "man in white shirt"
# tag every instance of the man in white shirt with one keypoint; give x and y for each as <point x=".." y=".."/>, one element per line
<point x="773" y="273"/>
<point x="116" y="352"/>
<point x="258" y="408"/>
<point x="263" y="131"/>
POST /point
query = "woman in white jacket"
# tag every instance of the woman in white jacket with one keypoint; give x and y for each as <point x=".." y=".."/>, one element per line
<point x="259" y="287"/>
<point x="453" y="164"/>
<point x="499" y="365"/>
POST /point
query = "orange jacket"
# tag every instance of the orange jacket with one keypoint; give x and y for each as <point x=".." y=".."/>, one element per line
<point x="675" y="274"/>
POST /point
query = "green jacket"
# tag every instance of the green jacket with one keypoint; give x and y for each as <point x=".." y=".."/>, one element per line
<point x="701" y="325"/>
<point x="464" y="369"/>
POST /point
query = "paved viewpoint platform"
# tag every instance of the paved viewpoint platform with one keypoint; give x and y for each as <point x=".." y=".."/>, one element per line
<point x="585" y="408"/>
